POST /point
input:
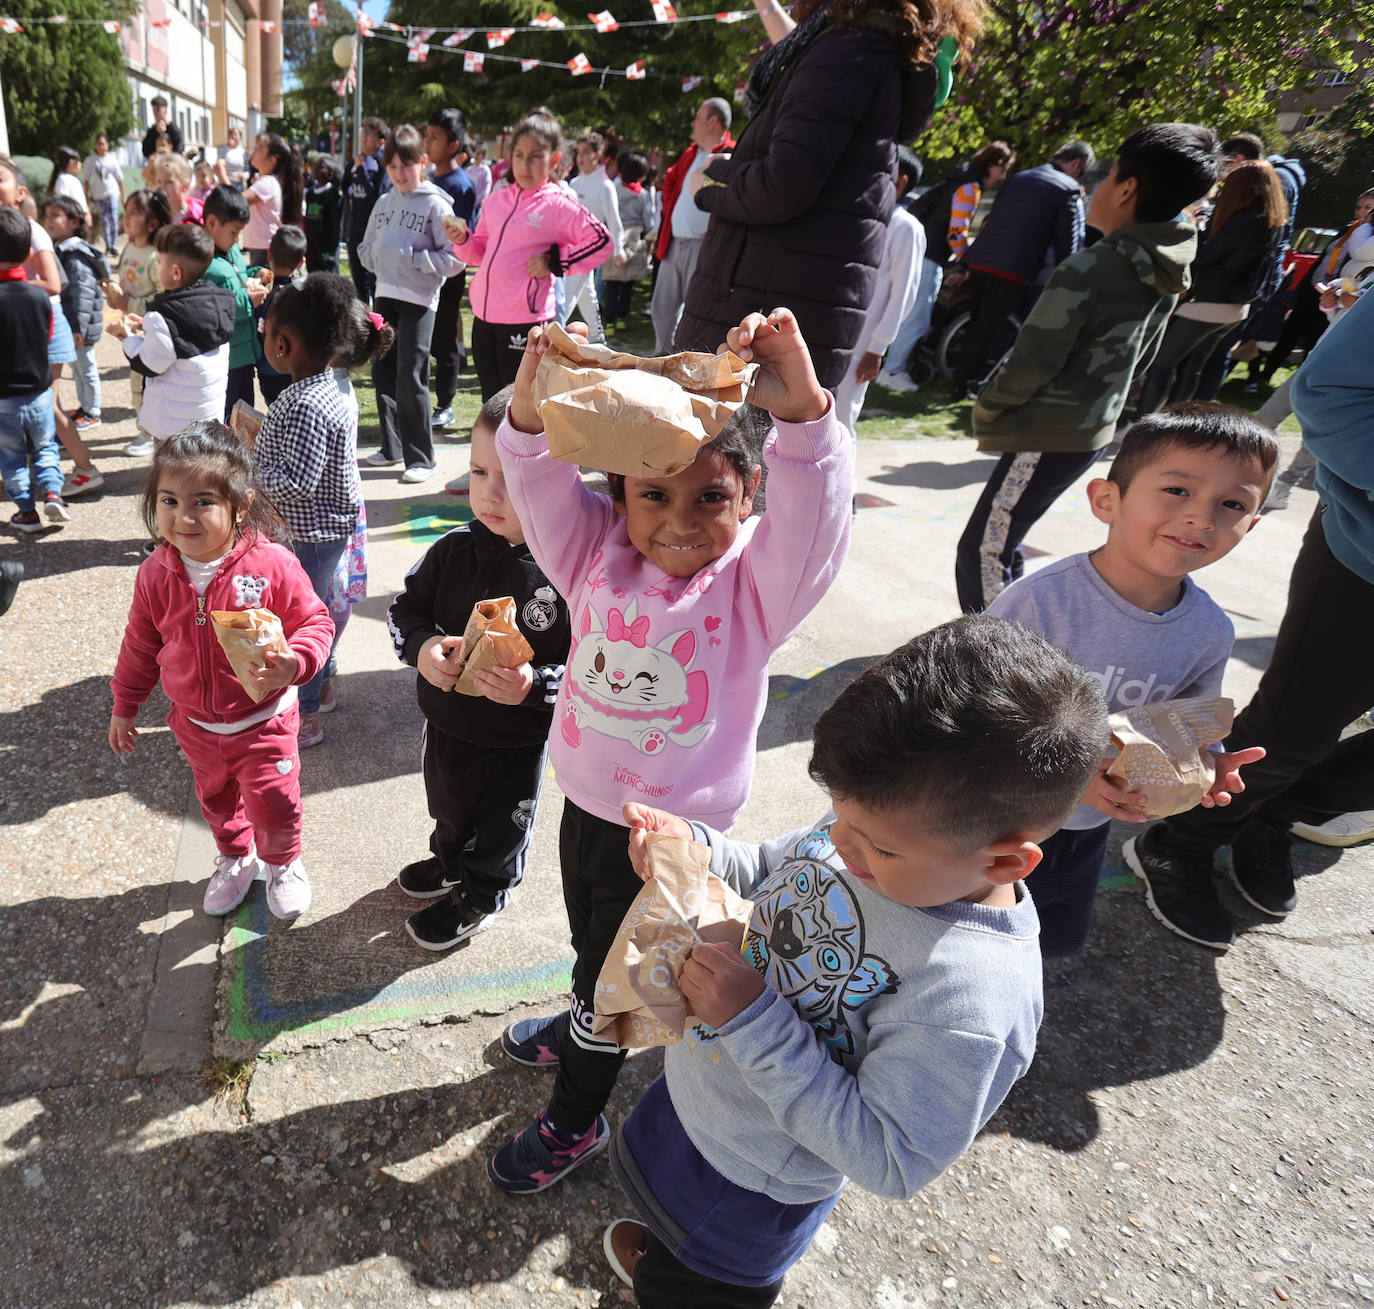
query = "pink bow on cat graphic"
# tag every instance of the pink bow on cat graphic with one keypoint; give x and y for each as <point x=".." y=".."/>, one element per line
<point x="636" y="633"/>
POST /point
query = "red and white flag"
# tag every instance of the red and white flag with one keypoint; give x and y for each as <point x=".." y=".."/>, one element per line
<point x="473" y="61"/>
<point x="266" y="27"/>
<point x="635" y="72"/>
<point x="111" y="26"/>
<point x="167" y="22"/>
<point x="421" y="35"/>
<point x="604" y="21"/>
<point x="418" y="53"/>
<point x="499" y="37"/>
<point x="546" y="19"/>
<point x="579" y="64"/>
<point x="732" y="16"/>
<point x="59" y="18"/>
<point x="664" y="12"/>
<point x="364" y="25"/>
<point x="458" y="37"/>
<point x="527" y="64"/>
<point x="315" y="13"/>
<point x="392" y="27"/>
<point x="11" y="25"/>
<point x="690" y="83"/>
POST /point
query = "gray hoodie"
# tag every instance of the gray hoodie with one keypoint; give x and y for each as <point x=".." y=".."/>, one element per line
<point x="405" y="246"/>
<point x="1097" y="323"/>
<point x="885" y="1039"/>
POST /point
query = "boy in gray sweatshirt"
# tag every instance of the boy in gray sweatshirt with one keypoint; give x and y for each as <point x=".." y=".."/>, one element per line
<point x="888" y="992"/>
<point x="1185" y="488"/>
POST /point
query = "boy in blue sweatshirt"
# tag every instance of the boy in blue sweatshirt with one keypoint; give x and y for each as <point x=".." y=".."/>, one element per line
<point x="888" y="992"/>
<point x="1183" y="492"/>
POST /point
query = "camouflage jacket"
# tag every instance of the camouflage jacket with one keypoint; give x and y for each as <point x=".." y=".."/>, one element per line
<point x="1098" y="321"/>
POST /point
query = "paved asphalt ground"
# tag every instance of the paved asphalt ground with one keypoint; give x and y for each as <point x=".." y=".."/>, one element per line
<point x="205" y="1113"/>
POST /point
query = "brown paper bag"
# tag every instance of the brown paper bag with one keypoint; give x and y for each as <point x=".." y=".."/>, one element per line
<point x="639" y="417"/>
<point x="1162" y="751"/>
<point x="245" y="636"/>
<point x="637" y="998"/>
<point x="491" y="640"/>
<point x="245" y="422"/>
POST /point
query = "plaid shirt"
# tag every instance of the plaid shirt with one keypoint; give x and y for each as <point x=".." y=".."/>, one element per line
<point x="305" y="454"/>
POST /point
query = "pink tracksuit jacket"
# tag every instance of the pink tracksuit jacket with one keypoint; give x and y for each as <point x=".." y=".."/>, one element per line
<point x="514" y="225"/>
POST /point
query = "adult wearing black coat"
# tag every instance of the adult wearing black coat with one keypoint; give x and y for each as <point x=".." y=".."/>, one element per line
<point x="799" y="210"/>
<point x="1228" y="275"/>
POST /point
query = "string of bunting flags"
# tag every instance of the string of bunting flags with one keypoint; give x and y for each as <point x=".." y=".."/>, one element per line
<point x="417" y="39"/>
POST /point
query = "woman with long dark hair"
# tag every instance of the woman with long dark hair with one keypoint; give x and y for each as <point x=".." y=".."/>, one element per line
<point x="1228" y="276"/>
<point x="799" y="210"/>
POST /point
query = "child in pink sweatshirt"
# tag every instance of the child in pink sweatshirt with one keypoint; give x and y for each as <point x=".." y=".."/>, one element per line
<point x="678" y="597"/>
<point x="527" y="233"/>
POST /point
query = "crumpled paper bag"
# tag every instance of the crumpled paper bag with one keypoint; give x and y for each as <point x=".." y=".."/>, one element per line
<point x="245" y="636"/>
<point x="638" y="417"/>
<point x="1162" y="751"/>
<point x="491" y="640"/>
<point x="683" y="905"/>
<point x="245" y="422"/>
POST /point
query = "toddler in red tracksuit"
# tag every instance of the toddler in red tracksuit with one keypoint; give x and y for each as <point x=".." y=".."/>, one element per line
<point x="214" y="528"/>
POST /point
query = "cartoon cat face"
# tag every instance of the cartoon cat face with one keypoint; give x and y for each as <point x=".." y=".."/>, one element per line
<point x="619" y="667"/>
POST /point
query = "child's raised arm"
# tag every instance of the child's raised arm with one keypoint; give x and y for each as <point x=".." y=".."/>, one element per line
<point x="801" y="542"/>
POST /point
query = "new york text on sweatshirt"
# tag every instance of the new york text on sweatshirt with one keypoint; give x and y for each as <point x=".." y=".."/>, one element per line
<point x="667" y="678"/>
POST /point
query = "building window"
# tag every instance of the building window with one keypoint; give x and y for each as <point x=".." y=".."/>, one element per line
<point x="1336" y="77"/>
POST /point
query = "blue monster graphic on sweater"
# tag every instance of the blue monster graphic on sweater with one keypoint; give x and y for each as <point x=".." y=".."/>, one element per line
<point x="807" y="937"/>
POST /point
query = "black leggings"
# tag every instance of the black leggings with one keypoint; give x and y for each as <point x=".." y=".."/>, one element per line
<point x="662" y="1281"/>
<point x="1064" y="888"/>
<point x="497" y="349"/>
<point x="599" y="884"/>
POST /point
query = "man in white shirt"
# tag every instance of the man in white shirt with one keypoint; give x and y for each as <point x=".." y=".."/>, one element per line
<point x="104" y="178"/>
<point x="683" y="224"/>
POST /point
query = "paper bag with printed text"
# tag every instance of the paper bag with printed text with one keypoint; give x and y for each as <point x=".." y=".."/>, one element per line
<point x="638" y="1002"/>
<point x="1162" y="751"/>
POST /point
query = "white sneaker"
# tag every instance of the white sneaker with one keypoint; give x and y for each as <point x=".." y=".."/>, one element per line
<point x="288" y="889"/>
<point x="377" y="460"/>
<point x="417" y="473"/>
<point x="895" y="381"/>
<point x="1344" y="829"/>
<point x="459" y="485"/>
<point x="141" y="445"/>
<point x="81" y="480"/>
<point x="230" y="881"/>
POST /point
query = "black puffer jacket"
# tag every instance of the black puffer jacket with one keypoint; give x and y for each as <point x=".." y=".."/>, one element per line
<point x="1234" y="262"/>
<point x="801" y="217"/>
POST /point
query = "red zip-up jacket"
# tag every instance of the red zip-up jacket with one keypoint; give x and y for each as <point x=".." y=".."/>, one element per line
<point x="672" y="189"/>
<point x="170" y="633"/>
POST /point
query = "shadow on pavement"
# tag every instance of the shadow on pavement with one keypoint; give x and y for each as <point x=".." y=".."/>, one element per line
<point x="794" y="703"/>
<point x="936" y="476"/>
<point x="75" y="761"/>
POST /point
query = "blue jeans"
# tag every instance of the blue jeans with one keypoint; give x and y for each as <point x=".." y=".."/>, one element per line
<point x="28" y="431"/>
<point x="86" y="372"/>
<point x="319" y="559"/>
<point x="917" y="323"/>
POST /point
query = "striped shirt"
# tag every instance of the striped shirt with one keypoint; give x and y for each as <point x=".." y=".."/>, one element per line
<point x="961" y="211"/>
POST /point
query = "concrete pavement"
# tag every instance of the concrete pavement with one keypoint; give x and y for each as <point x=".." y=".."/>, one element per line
<point x="197" y="1113"/>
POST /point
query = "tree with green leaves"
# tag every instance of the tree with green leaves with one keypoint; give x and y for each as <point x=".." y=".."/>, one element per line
<point x="309" y="52"/>
<point x="1098" y="69"/>
<point x="64" y="82"/>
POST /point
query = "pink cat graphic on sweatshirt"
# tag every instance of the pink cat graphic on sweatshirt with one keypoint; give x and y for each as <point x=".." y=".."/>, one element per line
<point x="668" y="677"/>
<point x="625" y="685"/>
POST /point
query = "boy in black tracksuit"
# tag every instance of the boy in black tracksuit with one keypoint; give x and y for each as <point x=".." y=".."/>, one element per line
<point x="483" y="755"/>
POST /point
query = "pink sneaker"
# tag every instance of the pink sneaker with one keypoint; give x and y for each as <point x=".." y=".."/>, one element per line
<point x="288" y="889"/>
<point x="230" y="882"/>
